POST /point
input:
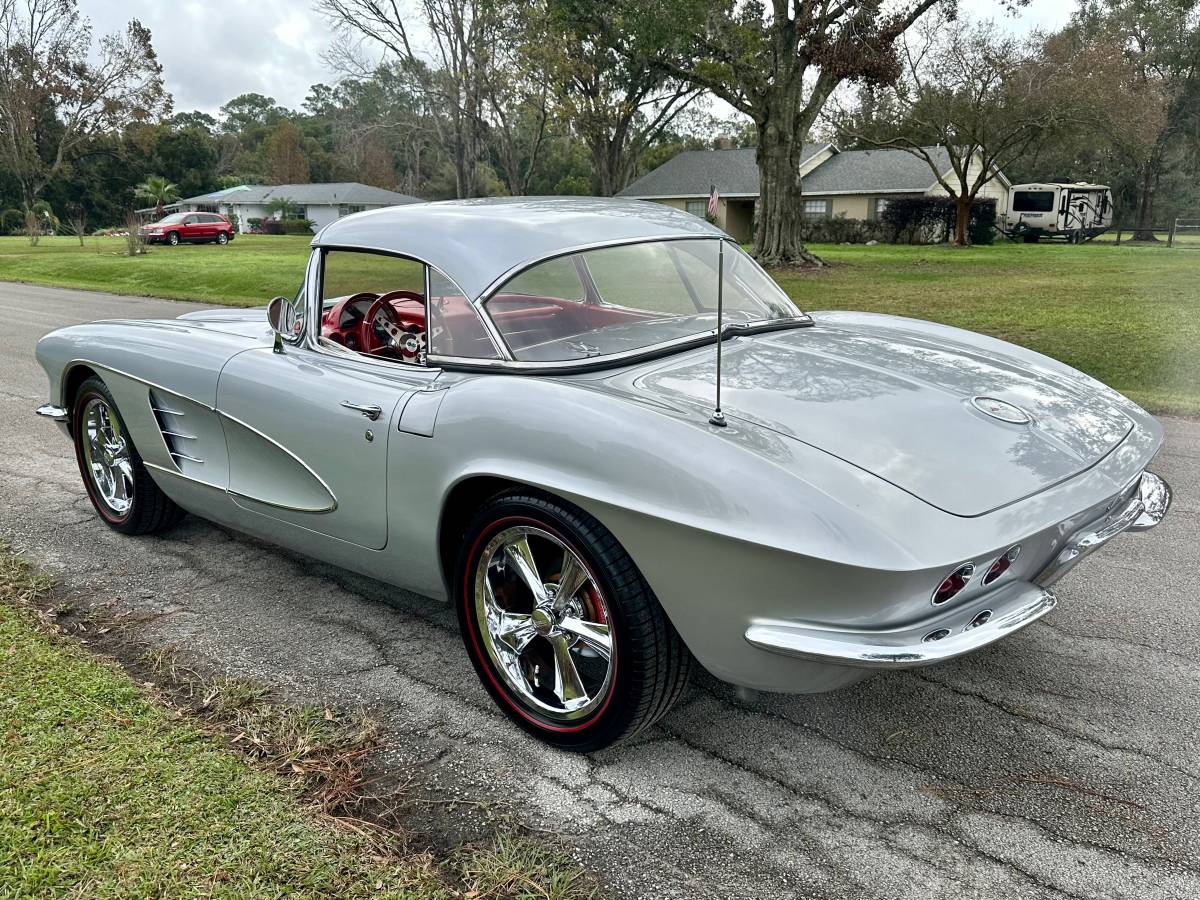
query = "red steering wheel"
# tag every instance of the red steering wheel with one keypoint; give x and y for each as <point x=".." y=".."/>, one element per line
<point x="405" y="335"/>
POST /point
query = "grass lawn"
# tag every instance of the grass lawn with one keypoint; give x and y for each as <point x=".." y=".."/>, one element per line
<point x="1128" y="315"/>
<point x="105" y="792"/>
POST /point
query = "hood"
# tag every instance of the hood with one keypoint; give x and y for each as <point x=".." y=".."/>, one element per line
<point x="251" y="322"/>
<point x="918" y="410"/>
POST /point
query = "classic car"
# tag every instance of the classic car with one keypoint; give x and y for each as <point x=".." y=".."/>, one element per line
<point x="513" y="405"/>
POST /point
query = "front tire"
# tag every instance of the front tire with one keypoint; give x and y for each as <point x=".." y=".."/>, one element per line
<point x="173" y="238"/>
<point x="121" y="490"/>
<point x="563" y="630"/>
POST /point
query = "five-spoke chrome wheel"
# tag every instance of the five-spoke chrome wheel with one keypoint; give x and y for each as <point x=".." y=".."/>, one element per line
<point x="106" y="454"/>
<point x="544" y="622"/>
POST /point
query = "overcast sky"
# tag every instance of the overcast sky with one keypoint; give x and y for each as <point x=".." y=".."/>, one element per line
<point x="212" y="51"/>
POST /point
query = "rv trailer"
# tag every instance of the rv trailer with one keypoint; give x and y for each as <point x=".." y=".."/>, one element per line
<point x="1075" y="211"/>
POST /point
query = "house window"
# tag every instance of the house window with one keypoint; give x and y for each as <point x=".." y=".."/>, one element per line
<point x="878" y="207"/>
<point x="346" y="209"/>
<point x="698" y="208"/>
<point x="816" y="210"/>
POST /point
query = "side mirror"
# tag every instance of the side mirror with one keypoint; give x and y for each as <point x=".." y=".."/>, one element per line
<point x="284" y="320"/>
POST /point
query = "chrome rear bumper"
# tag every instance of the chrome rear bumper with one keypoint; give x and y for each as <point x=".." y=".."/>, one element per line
<point x="988" y="618"/>
<point x="1141" y="512"/>
<point x="951" y="634"/>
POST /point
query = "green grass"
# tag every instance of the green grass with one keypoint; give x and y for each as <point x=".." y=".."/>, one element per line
<point x="1128" y="315"/>
<point x="247" y="272"/>
<point x="105" y="792"/>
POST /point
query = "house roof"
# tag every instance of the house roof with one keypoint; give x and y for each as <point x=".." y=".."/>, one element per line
<point x="735" y="173"/>
<point x="477" y="242"/>
<point x="876" y="171"/>
<point x="694" y="172"/>
<point x="323" y="194"/>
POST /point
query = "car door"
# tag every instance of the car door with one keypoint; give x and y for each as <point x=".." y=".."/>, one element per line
<point x="308" y="432"/>
<point x="190" y="229"/>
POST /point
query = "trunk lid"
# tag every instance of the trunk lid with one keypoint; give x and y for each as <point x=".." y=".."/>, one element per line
<point x="914" y="409"/>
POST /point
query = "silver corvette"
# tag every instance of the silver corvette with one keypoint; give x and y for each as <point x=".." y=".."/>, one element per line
<point x="603" y="432"/>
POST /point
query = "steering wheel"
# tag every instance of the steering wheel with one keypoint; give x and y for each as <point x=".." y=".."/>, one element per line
<point x="381" y="328"/>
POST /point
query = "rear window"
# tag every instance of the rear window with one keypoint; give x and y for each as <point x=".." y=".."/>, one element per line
<point x="1033" y="201"/>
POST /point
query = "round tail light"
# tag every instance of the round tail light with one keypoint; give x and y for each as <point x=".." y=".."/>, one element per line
<point x="953" y="583"/>
<point x="1002" y="565"/>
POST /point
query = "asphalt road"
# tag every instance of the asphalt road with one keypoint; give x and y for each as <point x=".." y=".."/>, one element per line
<point x="1062" y="762"/>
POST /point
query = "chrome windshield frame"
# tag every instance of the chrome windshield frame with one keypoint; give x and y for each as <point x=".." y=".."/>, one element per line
<point x="509" y="362"/>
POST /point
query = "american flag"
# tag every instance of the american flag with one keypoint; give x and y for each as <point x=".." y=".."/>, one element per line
<point x="713" y="197"/>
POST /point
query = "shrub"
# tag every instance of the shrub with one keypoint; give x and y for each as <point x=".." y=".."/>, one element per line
<point x="287" y="226"/>
<point x="841" y="230"/>
<point x="12" y="221"/>
<point x="924" y="220"/>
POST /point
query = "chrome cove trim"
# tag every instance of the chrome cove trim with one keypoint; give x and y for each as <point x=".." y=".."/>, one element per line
<point x="192" y="478"/>
<point x="1008" y="609"/>
<point x="158" y="387"/>
<point x="52" y="412"/>
<point x="1141" y="512"/>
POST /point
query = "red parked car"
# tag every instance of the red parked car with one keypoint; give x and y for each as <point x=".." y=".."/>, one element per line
<point x="192" y="227"/>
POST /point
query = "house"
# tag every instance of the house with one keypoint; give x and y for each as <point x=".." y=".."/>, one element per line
<point x="322" y="203"/>
<point x="855" y="184"/>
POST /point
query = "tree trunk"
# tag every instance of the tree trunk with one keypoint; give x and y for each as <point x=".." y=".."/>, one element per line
<point x="962" y="218"/>
<point x="780" y="203"/>
<point x="1147" y="183"/>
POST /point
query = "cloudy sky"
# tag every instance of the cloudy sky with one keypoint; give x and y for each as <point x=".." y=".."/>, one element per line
<point x="212" y="51"/>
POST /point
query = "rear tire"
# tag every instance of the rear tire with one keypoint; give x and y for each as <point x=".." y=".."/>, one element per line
<point x="613" y="607"/>
<point x="121" y="490"/>
<point x="222" y="238"/>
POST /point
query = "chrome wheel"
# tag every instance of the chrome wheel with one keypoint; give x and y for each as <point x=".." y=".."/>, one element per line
<point x="106" y="456"/>
<point x="544" y="622"/>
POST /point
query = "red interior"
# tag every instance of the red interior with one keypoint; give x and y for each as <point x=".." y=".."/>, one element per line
<point x="523" y="320"/>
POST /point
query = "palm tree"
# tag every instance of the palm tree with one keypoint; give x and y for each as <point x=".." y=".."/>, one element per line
<point x="158" y="191"/>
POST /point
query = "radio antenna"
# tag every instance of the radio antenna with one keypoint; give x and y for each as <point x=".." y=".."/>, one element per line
<point x="718" y="417"/>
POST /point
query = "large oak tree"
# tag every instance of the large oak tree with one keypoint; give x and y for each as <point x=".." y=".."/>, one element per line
<point x="59" y="90"/>
<point x="778" y="62"/>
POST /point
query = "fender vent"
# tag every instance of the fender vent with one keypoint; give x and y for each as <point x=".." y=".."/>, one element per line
<point x="171" y="422"/>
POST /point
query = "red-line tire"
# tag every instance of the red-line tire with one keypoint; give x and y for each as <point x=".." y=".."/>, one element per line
<point x="150" y="510"/>
<point x="651" y="664"/>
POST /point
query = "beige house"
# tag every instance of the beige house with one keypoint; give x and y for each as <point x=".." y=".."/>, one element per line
<point x="854" y="184"/>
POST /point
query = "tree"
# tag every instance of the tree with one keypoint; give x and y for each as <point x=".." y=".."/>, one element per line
<point x="158" y="191"/>
<point x="608" y="84"/>
<point x="57" y="91"/>
<point x="516" y="93"/>
<point x="462" y="32"/>
<point x="187" y="156"/>
<point x="981" y="97"/>
<point x="1160" y="46"/>
<point x="286" y="160"/>
<point x="777" y="63"/>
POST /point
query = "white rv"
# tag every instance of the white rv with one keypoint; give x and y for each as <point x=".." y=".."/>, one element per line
<point x="1075" y="211"/>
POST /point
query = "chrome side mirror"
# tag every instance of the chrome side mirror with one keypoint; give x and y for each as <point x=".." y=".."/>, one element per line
<point x="284" y="320"/>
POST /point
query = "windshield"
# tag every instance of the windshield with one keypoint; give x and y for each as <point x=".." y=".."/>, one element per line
<point x="630" y="297"/>
<point x="171" y="219"/>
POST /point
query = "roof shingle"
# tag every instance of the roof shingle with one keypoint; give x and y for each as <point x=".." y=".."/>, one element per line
<point x="735" y="172"/>
<point x="324" y="194"/>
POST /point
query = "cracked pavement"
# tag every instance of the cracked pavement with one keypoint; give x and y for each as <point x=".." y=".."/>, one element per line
<point x="1061" y="762"/>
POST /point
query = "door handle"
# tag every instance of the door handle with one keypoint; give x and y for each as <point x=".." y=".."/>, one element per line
<point x="371" y="412"/>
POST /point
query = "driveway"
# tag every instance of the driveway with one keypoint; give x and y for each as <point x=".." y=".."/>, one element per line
<point x="1061" y="763"/>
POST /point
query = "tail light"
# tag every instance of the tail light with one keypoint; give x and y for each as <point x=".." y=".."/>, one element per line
<point x="953" y="583"/>
<point x="1002" y="565"/>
